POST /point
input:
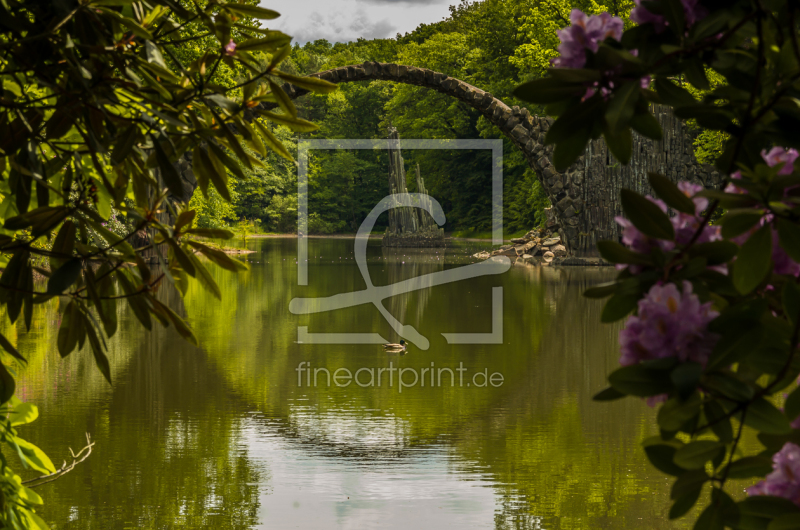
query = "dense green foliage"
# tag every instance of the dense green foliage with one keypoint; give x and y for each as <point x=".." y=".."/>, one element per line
<point x="716" y="309"/>
<point x="493" y="45"/>
<point x="98" y="102"/>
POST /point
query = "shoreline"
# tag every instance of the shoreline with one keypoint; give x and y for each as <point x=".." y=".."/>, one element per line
<point x="353" y="236"/>
<point x="568" y="261"/>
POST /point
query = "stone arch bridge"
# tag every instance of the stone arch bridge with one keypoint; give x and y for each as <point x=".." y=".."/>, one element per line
<point x="585" y="197"/>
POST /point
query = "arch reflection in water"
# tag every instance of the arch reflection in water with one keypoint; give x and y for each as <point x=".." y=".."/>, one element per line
<point x="222" y="437"/>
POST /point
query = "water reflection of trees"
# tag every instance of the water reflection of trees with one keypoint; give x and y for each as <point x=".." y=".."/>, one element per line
<point x="172" y="426"/>
<point x="169" y="436"/>
<point x="403" y="264"/>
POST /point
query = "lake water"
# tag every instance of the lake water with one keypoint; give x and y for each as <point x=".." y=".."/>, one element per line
<point x="222" y="436"/>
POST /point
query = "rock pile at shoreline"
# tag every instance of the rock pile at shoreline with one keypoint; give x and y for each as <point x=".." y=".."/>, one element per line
<point x="541" y="246"/>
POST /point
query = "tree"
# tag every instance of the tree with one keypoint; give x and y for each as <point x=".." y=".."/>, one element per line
<point x="100" y="102"/>
<point x="715" y="327"/>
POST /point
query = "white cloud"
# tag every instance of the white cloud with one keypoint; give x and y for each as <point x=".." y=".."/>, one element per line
<point x="347" y="20"/>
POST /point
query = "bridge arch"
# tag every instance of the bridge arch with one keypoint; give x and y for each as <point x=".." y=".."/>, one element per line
<point x="585" y="197"/>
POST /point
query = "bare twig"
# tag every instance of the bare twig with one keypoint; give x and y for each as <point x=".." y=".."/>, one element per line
<point x="65" y="468"/>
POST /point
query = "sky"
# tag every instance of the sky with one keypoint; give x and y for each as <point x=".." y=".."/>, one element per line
<point x="346" y="20"/>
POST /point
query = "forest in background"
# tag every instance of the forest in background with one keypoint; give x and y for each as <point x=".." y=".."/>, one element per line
<point x="493" y="45"/>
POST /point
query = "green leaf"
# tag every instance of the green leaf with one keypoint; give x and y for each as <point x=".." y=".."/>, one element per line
<point x="35" y="457"/>
<point x="23" y="413"/>
<point x="66" y="275"/>
<point x="789" y="521"/>
<point x="205" y="278"/>
<point x="753" y="263"/>
<point x="168" y="171"/>
<point x="135" y="28"/>
<point x="71" y="330"/>
<point x="567" y="151"/>
<point x="213" y="233"/>
<point x="228" y="161"/>
<point x="272" y="141"/>
<point x="791" y="301"/>
<point x="283" y="100"/>
<point x="792" y="406"/>
<point x="672" y="94"/>
<point x="647" y="125"/>
<point x="275" y="40"/>
<point x="765" y="506"/>
<point x="688" y="482"/>
<point x="134" y="298"/>
<point x="224" y="103"/>
<point x="601" y="291"/>
<point x="215" y="172"/>
<point x="685" y="502"/>
<point x="710" y="519"/>
<point x="59" y="123"/>
<point x="621" y="108"/>
<point x="295" y="124"/>
<point x="762" y="416"/>
<point x="620" y="144"/>
<point x="313" y="84"/>
<point x="609" y="394"/>
<point x="668" y="192"/>
<point x="181" y="256"/>
<point x="750" y="467"/>
<point x="739" y="339"/>
<point x="574" y="75"/>
<point x="617" y="253"/>
<point x="7" y="384"/>
<point x="707" y="116"/>
<point x="736" y="222"/>
<point x="728" y="386"/>
<point x="646" y="215"/>
<point x="181" y="327"/>
<point x="253" y="11"/>
<point x="789" y="238"/>
<point x="619" y="306"/>
<point x="686" y="377"/>
<point x="637" y="380"/>
<point x="279" y="56"/>
<point x="548" y="90"/>
<point x="184" y="219"/>
<point x="232" y="141"/>
<point x="661" y="456"/>
<point x="219" y="257"/>
<point x="124" y="144"/>
<point x="100" y="358"/>
<point x="7" y="346"/>
<point x="675" y="413"/>
<point x="715" y="252"/>
<point x="695" y="454"/>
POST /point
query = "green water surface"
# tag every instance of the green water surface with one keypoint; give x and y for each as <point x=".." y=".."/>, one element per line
<point x="222" y="436"/>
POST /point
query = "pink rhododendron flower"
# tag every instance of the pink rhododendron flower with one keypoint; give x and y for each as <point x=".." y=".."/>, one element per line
<point x="230" y="48"/>
<point x="733" y="188"/>
<point x="692" y="12"/>
<point x="779" y="155"/>
<point x="669" y="323"/>
<point x="784" y="481"/>
<point x="585" y="33"/>
<point x="685" y="226"/>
